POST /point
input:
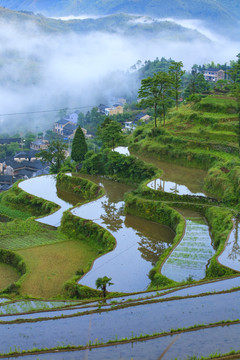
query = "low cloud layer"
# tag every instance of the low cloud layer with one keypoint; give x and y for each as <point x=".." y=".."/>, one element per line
<point x="40" y="71"/>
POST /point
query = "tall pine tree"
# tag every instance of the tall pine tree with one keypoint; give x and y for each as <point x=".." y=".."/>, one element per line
<point x="79" y="146"/>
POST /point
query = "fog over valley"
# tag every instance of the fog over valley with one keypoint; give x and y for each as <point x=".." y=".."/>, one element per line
<point x="41" y="70"/>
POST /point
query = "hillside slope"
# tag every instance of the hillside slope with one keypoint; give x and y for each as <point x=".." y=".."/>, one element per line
<point x="209" y="10"/>
<point x="124" y="24"/>
<point x="204" y="135"/>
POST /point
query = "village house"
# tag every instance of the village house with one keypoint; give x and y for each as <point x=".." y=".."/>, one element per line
<point x="67" y="127"/>
<point x="214" y="75"/>
<point x="110" y="110"/>
<point x="114" y="110"/>
<point x="26" y="156"/>
<point x="142" y="117"/>
<point x="59" y="125"/>
<point x="7" y="141"/>
<point x="69" y="131"/>
<point x="39" y="144"/>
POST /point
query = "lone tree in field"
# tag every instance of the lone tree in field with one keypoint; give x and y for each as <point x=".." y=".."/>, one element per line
<point x="101" y="283"/>
<point x="79" y="146"/>
<point x="156" y="92"/>
<point x="176" y="73"/>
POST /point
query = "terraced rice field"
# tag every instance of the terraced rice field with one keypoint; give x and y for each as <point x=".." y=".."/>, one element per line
<point x="190" y="258"/>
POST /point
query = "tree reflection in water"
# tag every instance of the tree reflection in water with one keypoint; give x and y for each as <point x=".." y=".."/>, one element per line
<point x="151" y="249"/>
<point x="154" y="237"/>
<point x="235" y="252"/>
<point x="112" y="216"/>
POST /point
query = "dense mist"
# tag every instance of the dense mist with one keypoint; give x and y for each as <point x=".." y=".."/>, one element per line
<point x="41" y="71"/>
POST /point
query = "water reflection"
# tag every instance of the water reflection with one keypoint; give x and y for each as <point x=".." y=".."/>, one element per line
<point x="151" y="250"/>
<point x="152" y="241"/>
<point x="172" y="187"/>
<point x="45" y="187"/>
<point x="139" y="241"/>
<point x="230" y="256"/>
<point x="173" y="174"/>
<point x="112" y="216"/>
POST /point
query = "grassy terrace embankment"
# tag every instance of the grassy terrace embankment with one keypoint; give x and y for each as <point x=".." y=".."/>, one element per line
<point x="202" y="135"/>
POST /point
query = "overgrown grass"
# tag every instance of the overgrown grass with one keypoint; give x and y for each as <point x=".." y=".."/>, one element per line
<point x="8" y="275"/>
<point x="52" y="265"/>
<point x="20" y="234"/>
<point x="13" y="213"/>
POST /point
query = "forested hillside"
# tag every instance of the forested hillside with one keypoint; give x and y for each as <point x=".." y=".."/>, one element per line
<point x="129" y="25"/>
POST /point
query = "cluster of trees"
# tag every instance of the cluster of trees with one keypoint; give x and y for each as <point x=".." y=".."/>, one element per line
<point x="159" y="90"/>
<point x="91" y="120"/>
<point x="114" y="164"/>
<point x="235" y="76"/>
<point x="57" y="153"/>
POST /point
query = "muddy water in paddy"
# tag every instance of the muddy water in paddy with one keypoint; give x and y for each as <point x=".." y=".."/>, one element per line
<point x="177" y="179"/>
<point x="139" y="242"/>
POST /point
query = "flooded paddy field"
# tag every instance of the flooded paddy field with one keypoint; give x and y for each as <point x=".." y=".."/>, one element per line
<point x="139" y="245"/>
<point x="45" y="187"/>
<point x="230" y="256"/>
<point x="127" y="322"/>
<point x="33" y="309"/>
<point x="220" y="339"/>
<point x="190" y="258"/>
<point x="183" y="180"/>
<point x="139" y="242"/>
<point x="23" y="306"/>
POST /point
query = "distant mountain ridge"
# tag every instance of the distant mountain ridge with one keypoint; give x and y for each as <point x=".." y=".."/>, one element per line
<point x="161" y="8"/>
<point x="124" y="24"/>
<point x="220" y="15"/>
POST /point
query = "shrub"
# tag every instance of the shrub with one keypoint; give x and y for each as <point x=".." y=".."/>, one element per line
<point x="118" y="166"/>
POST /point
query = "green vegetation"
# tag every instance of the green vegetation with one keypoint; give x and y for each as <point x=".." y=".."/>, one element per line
<point x="55" y="154"/>
<point x="17" y="198"/>
<point x="23" y="234"/>
<point x="87" y="230"/>
<point x="110" y="133"/>
<point x="79" y="146"/>
<point x="82" y="187"/>
<point x="117" y="166"/>
<point x="220" y="221"/>
<point x="51" y="265"/>
<point x="155" y="92"/>
<point x="45" y="250"/>
<point x="102" y="283"/>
